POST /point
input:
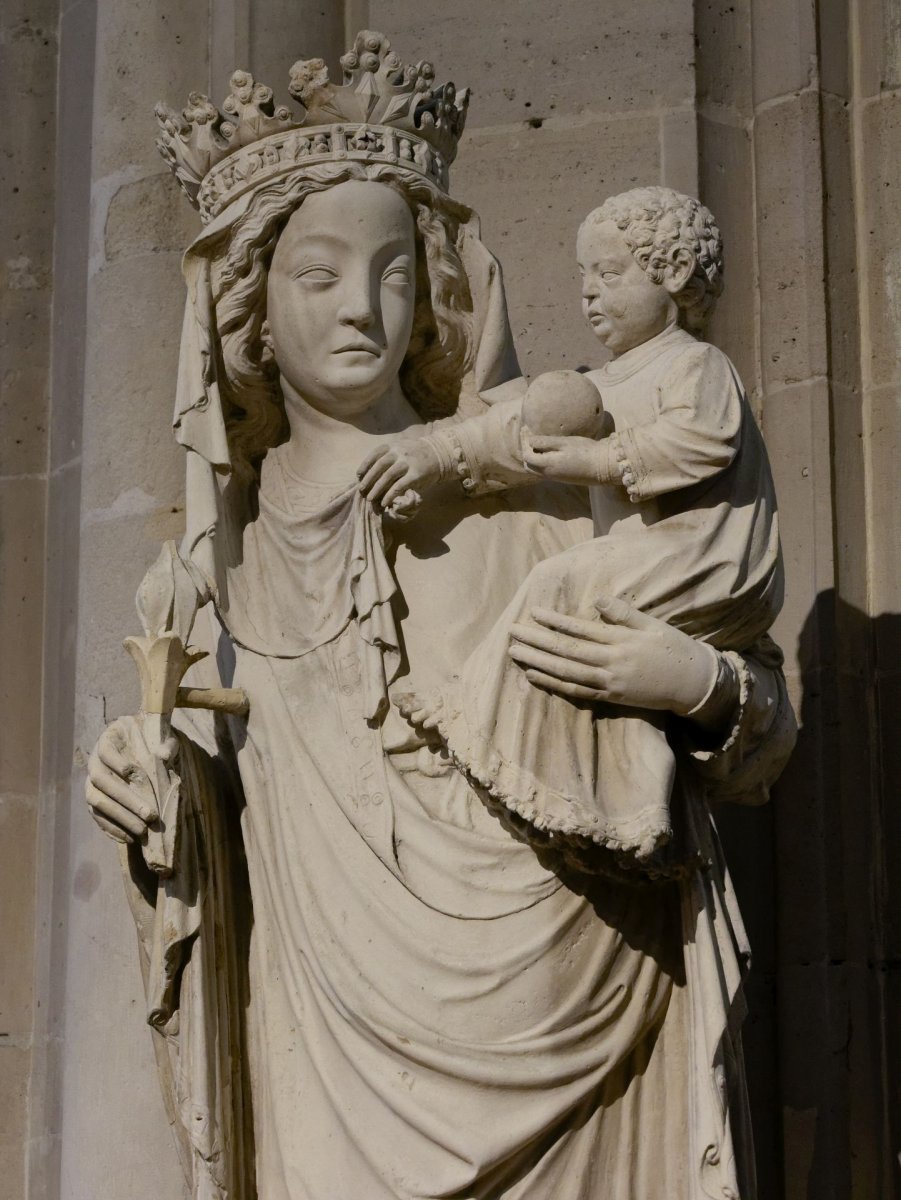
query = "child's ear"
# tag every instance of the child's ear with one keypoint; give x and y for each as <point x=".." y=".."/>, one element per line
<point x="680" y="267"/>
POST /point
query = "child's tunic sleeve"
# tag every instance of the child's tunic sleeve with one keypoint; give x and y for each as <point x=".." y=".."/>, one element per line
<point x="695" y="433"/>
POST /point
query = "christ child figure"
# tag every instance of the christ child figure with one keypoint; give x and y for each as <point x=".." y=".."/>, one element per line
<point x="684" y="519"/>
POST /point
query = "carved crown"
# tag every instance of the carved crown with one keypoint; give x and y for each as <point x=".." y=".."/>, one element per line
<point x="384" y="111"/>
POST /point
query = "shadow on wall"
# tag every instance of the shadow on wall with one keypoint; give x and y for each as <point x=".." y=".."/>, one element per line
<point x="818" y="876"/>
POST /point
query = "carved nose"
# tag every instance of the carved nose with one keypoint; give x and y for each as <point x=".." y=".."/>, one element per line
<point x="357" y="310"/>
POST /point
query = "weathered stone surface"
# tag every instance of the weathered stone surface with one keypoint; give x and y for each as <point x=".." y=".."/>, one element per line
<point x="796" y="428"/>
<point x="881" y="136"/>
<point x="148" y="216"/>
<point x="726" y="169"/>
<point x="530" y="218"/>
<point x="556" y="59"/>
<point x="129" y="397"/>
<point x="21" y="617"/>
<point x="723" y="55"/>
<point x="785" y="48"/>
<point x="15" y="1064"/>
<point x="155" y="51"/>
<point x="790" y="242"/>
<point x="17" y="838"/>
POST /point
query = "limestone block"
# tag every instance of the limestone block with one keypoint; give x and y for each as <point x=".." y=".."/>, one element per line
<point x="834" y="46"/>
<point x="282" y="31"/>
<point x="796" y="429"/>
<point x="72" y="230"/>
<point x="841" y="242"/>
<point x="679" y="151"/>
<point x="15" y="1064"/>
<point x="533" y="189"/>
<point x="878" y="48"/>
<point x="552" y="59"/>
<point x="725" y="158"/>
<point x="17" y="832"/>
<point x="148" y="216"/>
<point x="23" y="416"/>
<point x="144" y="54"/>
<point x="28" y="34"/>
<point x="132" y="541"/>
<point x="785" y="48"/>
<point x="723" y="54"/>
<point x="882" y="168"/>
<point x="21" y="618"/>
<point x="790" y="242"/>
<point x="109" y="1053"/>
<point x="884" y="449"/>
<point x="129" y="398"/>
<point x="849" y="452"/>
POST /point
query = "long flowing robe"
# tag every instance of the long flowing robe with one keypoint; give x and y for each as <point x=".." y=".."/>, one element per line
<point x="434" y="1010"/>
<point x="425" y="1006"/>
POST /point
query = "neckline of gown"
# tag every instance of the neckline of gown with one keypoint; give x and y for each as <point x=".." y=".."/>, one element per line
<point x="639" y="356"/>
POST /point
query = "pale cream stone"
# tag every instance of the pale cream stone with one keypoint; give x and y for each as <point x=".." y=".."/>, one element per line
<point x="790" y="241"/>
<point x="333" y="306"/>
<point x="555" y="60"/>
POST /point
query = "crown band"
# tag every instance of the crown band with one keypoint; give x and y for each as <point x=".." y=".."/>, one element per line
<point x="281" y="153"/>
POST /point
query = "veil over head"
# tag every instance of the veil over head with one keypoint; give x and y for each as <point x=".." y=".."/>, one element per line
<point x="199" y="418"/>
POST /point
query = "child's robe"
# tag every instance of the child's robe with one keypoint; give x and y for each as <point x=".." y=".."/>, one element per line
<point x="686" y="530"/>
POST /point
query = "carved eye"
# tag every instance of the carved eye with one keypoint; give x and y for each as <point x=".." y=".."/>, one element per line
<point x="316" y="273"/>
<point x="397" y="274"/>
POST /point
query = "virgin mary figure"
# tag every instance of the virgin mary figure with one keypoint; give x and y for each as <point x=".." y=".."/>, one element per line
<point x="363" y="984"/>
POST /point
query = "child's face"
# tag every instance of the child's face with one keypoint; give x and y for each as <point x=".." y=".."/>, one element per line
<point x="621" y="303"/>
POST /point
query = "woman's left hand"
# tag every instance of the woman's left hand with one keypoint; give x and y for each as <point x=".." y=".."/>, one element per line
<point x="626" y="657"/>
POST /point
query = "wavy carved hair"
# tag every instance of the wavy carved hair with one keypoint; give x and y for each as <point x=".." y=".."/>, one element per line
<point x="656" y="221"/>
<point x="441" y="339"/>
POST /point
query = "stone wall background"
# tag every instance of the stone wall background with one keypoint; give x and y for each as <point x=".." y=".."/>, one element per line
<point x="784" y="116"/>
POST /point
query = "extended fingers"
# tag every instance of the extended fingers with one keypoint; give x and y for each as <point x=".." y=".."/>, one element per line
<point x="578" y="649"/>
<point x="395" y="472"/>
<point x="582" y="628"/>
<point x="371" y="459"/>
<point x="572" y="691"/>
<point x="566" y="669"/>
<point x="375" y="470"/>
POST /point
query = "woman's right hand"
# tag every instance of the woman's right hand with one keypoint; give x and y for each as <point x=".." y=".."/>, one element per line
<point x="118" y="788"/>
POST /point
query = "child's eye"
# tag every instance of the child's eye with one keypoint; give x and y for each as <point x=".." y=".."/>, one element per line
<point x="397" y="275"/>
<point x="608" y="275"/>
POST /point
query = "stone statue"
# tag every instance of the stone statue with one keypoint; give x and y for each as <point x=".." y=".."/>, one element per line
<point x="684" y="510"/>
<point x="364" y="979"/>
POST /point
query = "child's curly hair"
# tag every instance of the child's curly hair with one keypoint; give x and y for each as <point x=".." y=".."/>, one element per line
<point x="655" y="221"/>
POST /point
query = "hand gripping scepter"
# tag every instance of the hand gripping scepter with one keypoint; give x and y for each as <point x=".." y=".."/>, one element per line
<point x="168" y="599"/>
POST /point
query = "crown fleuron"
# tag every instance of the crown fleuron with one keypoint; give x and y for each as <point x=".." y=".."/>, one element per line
<point x="384" y="111"/>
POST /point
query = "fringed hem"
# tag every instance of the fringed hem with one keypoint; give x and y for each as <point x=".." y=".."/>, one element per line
<point x="622" y="849"/>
